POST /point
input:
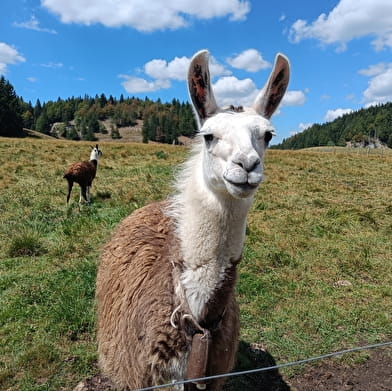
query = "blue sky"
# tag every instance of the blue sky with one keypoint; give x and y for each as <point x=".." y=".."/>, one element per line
<point x="340" y="51"/>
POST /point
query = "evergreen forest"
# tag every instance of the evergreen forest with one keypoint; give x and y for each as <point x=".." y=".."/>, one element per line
<point x="81" y="118"/>
<point x="371" y="126"/>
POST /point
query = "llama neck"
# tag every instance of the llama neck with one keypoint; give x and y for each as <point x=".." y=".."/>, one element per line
<point x="211" y="229"/>
<point x="95" y="162"/>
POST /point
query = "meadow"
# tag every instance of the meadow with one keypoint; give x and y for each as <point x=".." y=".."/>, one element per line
<point x="316" y="274"/>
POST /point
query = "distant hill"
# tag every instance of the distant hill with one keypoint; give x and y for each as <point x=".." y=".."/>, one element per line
<point x="96" y="118"/>
<point x="365" y="127"/>
<point x="102" y="118"/>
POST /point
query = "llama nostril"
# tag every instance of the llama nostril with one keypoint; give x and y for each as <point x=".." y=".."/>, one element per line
<point x="247" y="164"/>
<point x="255" y="164"/>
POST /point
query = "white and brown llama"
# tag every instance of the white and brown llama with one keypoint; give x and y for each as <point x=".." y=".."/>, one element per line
<point x="83" y="173"/>
<point x="166" y="281"/>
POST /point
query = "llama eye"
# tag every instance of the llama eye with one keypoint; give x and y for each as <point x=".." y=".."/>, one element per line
<point x="267" y="137"/>
<point x="208" y="137"/>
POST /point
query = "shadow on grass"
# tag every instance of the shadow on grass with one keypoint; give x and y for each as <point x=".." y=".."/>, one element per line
<point x="251" y="356"/>
<point x="248" y="357"/>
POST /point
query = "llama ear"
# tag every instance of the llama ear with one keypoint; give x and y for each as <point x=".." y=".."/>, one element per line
<point x="199" y="86"/>
<point x="272" y="93"/>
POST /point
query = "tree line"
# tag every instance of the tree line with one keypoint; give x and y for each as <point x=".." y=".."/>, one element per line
<point x="81" y="118"/>
<point x="362" y="127"/>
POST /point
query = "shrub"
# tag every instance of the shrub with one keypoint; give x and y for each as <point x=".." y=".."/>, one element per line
<point x="161" y="155"/>
<point x="26" y="244"/>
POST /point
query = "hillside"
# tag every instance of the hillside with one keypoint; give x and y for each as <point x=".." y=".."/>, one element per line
<point x="371" y="127"/>
<point x="131" y="134"/>
<point x="101" y="118"/>
<point x="96" y="118"/>
<point x="105" y="132"/>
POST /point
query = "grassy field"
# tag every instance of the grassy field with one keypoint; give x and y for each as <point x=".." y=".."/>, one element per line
<point x="315" y="277"/>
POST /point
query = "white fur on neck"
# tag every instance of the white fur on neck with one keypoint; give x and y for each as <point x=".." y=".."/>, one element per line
<point x="211" y="229"/>
<point x="94" y="155"/>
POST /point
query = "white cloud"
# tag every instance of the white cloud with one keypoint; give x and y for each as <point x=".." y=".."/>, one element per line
<point x="162" y="72"/>
<point x="33" y="24"/>
<point x="32" y="79"/>
<point x="52" y="65"/>
<point x="375" y="69"/>
<point x="282" y="17"/>
<point x="146" y="15"/>
<point x="229" y="90"/>
<point x="379" y="88"/>
<point x="303" y="126"/>
<point x="161" y="69"/>
<point x="294" y="98"/>
<point x="350" y="19"/>
<point x="333" y="114"/>
<point x="177" y="68"/>
<point x="8" y="55"/>
<point x="251" y="60"/>
<point x="138" y="85"/>
<point x="217" y="69"/>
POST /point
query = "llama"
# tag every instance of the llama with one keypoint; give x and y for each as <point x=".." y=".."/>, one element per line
<point x="165" y="287"/>
<point x="83" y="173"/>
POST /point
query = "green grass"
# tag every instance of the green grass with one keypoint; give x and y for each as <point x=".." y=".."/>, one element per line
<point x="315" y="277"/>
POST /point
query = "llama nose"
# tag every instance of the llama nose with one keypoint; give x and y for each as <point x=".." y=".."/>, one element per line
<point x="247" y="163"/>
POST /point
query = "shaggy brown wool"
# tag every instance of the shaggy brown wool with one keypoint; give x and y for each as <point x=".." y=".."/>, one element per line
<point x="137" y="343"/>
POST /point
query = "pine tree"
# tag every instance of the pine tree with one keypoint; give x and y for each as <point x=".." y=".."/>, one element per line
<point x="11" y="122"/>
<point x="37" y="110"/>
<point x="43" y="124"/>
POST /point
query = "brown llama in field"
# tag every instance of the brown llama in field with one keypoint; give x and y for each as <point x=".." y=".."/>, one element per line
<point x="83" y="173"/>
<point x="166" y="281"/>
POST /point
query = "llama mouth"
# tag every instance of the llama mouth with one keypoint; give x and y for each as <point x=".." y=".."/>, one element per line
<point x="240" y="190"/>
<point x="248" y="182"/>
<point x="245" y="185"/>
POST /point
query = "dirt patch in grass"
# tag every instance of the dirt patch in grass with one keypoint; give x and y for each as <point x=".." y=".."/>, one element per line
<point x="127" y="134"/>
<point x="375" y="374"/>
<point x="94" y="383"/>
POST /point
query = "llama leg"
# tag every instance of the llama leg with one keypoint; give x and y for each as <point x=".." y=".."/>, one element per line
<point x="70" y="184"/>
<point x="83" y="190"/>
<point x="88" y="194"/>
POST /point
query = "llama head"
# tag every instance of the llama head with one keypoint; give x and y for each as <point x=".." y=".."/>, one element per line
<point x="96" y="153"/>
<point x="234" y="139"/>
